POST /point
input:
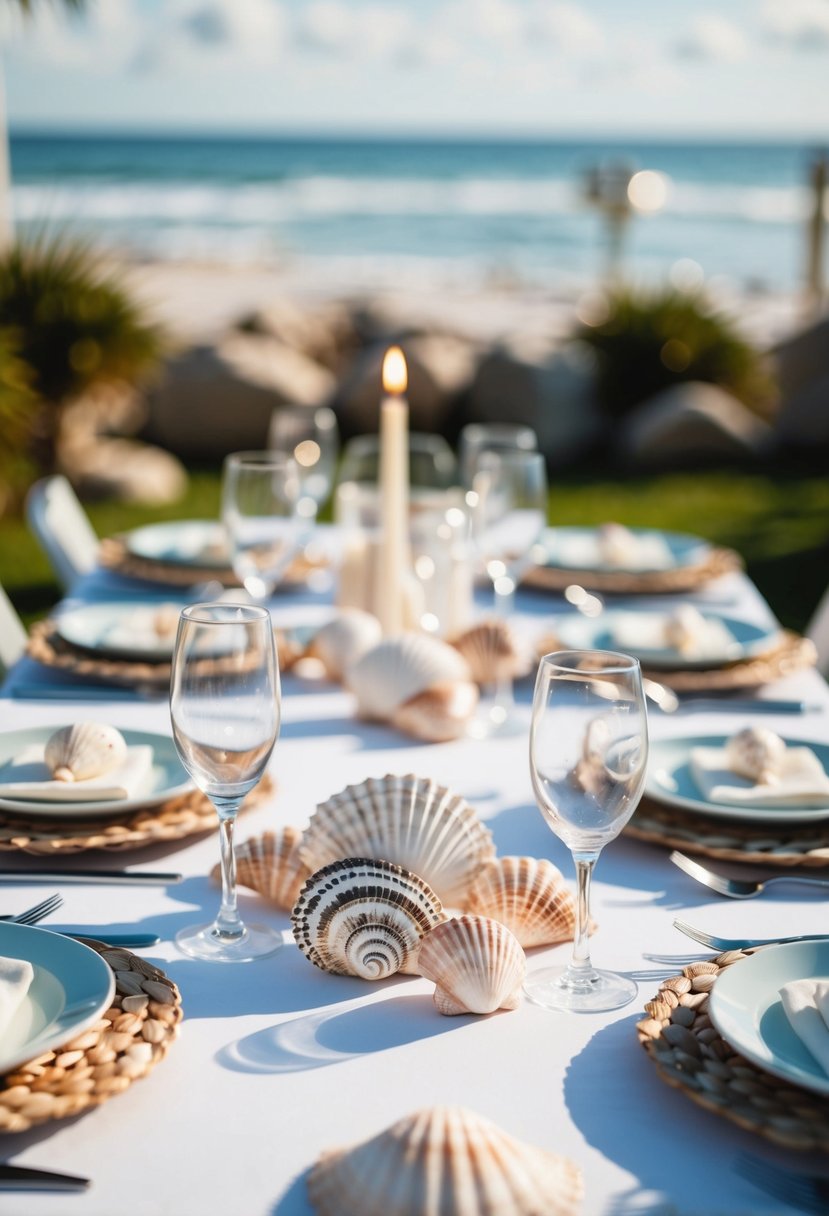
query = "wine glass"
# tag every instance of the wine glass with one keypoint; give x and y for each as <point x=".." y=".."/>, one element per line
<point x="478" y="437"/>
<point x="310" y="436"/>
<point x="260" y="493"/>
<point x="588" y="753"/>
<point x="225" y="725"/>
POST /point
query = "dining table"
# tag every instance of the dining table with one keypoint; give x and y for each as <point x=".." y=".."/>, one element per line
<point x="278" y="1061"/>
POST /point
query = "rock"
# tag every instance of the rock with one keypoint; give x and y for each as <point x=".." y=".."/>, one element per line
<point x="802" y="360"/>
<point x="326" y="333"/>
<point x="693" y="423"/>
<point x="803" y="418"/>
<point x="125" y="469"/>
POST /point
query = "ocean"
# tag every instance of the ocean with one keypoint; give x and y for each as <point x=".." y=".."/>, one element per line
<point x="384" y="210"/>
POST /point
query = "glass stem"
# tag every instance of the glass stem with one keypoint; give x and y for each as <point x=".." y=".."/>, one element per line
<point x="503" y="699"/>
<point x="580" y="972"/>
<point x="228" y="923"/>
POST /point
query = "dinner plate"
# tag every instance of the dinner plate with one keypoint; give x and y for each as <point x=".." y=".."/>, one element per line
<point x="669" y="780"/>
<point x="168" y="776"/>
<point x="72" y="987"/>
<point x="627" y="630"/>
<point x="119" y="630"/>
<point x="189" y="542"/>
<point x="746" y="1009"/>
<point x="570" y="548"/>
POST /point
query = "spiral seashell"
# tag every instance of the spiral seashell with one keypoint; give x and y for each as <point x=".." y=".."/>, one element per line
<point x="345" y="639"/>
<point x="493" y="652"/>
<point x="87" y="749"/>
<point x="529" y="896"/>
<point x="411" y="821"/>
<point x="476" y="963"/>
<point x="400" y="668"/>
<point x="756" y="753"/>
<point x="365" y="918"/>
<point x="271" y="865"/>
<point x="445" y="1161"/>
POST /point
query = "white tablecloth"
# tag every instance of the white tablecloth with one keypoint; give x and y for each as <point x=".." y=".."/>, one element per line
<point x="277" y="1061"/>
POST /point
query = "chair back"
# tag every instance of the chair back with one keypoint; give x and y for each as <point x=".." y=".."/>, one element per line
<point x="818" y="631"/>
<point x="62" y="528"/>
<point x="12" y="634"/>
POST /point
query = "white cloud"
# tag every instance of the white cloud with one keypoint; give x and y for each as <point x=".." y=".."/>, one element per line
<point x="800" y="24"/>
<point x="567" y="27"/>
<point x="713" y="38"/>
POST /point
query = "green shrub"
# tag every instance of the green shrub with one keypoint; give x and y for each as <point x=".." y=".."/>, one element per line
<point x="17" y="407"/>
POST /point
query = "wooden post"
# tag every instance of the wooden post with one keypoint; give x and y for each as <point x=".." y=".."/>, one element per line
<point x="815" y="234"/>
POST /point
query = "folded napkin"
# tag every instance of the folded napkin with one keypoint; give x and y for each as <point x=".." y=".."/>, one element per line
<point x="806" y="1003"/>
<point x="640" y="631"/>
<point x="145" y="629"/>
<point x="27" y="777"/>
<point x="16" y="977"/>
<point x="585" y="551"/>
<point x="802" y="780"/>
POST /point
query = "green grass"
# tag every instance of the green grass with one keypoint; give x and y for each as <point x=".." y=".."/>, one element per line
<point x="780" y="525"/>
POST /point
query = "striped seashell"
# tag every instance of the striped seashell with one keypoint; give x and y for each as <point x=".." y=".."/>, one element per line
<point x="271" y="865"/>
<point x="411" y="821"/>
<point x="445" y="1161"/>
<point x="476" y="963"/>
<point x="529" y="896"/>
<point x="493" y="652"/>
<point x="363" y="917"/>
<point x="345" y="639"/>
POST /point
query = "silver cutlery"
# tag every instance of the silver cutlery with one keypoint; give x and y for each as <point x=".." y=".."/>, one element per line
<point x="37" y="911"/>
<point x="721" y="944"/>
<point x="739" y="888"/>
<point x="79" y="692"/>
<point x="808" y="1192"/>
<point x="133" y="877"/>
<point x="84" y="933"/>
<point x="24" y="1178"/>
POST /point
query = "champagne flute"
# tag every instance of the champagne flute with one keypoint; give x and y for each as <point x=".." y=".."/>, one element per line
<point x="588" y="754"/>
<point x="260" y="493"/>
<point x="225" y="726"/>
<point x="478" y="437"/>
<point x="310" y="436"/>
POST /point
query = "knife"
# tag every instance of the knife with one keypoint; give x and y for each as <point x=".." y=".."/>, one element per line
<point x="22" y="1178"/>
<point x="135" y="877"/>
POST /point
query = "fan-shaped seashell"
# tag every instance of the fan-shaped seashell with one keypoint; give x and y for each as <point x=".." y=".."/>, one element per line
<point x="271" y="865"/>
<point x="493" y="652"/>
<point x="476" y="963"/>
<point x="529" y="896"/>
<point x="365" y="918"/>
<point x="87" y="749"/>
<point x="438" y="714"/>
<point x="445" y="1161"/>
<point x="345" y="639"/>
<point x="400" y="668"/>
<point x="411" y="821"/>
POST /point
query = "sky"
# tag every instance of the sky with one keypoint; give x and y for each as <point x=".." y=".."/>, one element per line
<point x="757" y="68"/>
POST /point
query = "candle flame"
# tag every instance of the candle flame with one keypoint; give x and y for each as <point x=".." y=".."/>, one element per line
<point x="395" y="376"/>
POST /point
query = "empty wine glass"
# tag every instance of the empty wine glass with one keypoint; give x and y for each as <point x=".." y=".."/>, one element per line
<point x="225" y="725"/>
<point x="478" y="437"/>
<point x="260" y="493"/>
<point x="588" y="753"/>
<point x="310" y="436"/>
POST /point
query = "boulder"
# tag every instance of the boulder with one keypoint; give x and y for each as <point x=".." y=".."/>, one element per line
<point x="693" y="423"/>
<point x="802" y="360"/>
<point x="803" y="418"/>
<point x="326" y="333"/>
<point x="125" y="469"/>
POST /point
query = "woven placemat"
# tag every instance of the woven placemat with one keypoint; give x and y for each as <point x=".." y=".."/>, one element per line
<point x="790" y="653"/>
<point x="685" y="578"/>
<point x="689" y="1054"/>
<point x="778" y="844"/>
<point x="114" y="554"/>
<point x="186" y="815"/>
<point x="130" y="1038"/>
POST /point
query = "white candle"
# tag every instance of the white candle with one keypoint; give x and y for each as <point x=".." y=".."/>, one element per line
<point x="392" y="566"/>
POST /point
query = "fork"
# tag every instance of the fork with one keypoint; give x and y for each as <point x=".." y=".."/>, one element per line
<point x="738" y="888"/>
<point x="37" y="912"/>
<point x="741" y="943"/>
<point x="808" y="1192"/>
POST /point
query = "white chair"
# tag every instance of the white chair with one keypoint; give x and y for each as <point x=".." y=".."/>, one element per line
<point x="12" y="634"/>
<point x="818" y="631"/>
<point x="62" y="528"/>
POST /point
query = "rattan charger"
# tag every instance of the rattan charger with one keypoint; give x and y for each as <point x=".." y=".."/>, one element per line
<point x="716" y="563"/>
<point x="115" y="555"/>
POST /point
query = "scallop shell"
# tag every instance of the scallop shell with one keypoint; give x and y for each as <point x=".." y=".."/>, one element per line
<point x="365" y="918"/>
<point x="345" y="639"/>
<point x="445" y="1161"/>
<point x="476" y="963"/>
<point x="87" y="749"/>
<point x="492" y="652"/>
<point x="529" y="896"/>
<point x="400" y="668"/>
<point x="438" y="714"/>
<point x="271" y="865"/>
<point x="411" y="821"/>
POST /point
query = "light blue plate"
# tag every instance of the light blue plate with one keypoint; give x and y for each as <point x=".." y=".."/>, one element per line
<point x="597" y="633"/>
<point x="93" y="627"/>
<point x="188" y="542"/>
<point x="560" y="543"/>
<point x="72" y="986"/>
<point x="669" y="780"/>
<point x="168" y="776"/>
<point x="746" y="1009"/>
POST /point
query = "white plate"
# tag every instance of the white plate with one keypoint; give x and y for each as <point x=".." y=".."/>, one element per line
<point x="746" y="639"/>
<point x="72" y="986"/>
<point x="189" y="542"/>
<point x="669" y="780"/>
<point x="118" y="630"/>
<point x="746" y="1009"/>
<point x="168" y="776"/>
<point x="576" y="549"/>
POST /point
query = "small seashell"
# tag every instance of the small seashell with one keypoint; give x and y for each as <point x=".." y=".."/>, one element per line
<point x="529" y="896"/>
<point x="438" y="714"/>
<point x="756" y="753"/>
<point x="400" y="668"/>
<point x="290" y="648"/>
<point x="411" y="821"/>
<point x="476" y="963"/>
<point x="685" y="628"/>
<point x="271" y="864"/>
<point x="617" y="545"/>
<point x="445" y="1161"/>
<point x="87" y="749"/>
<point x="493" y="652"/>
<point x="345" y="639"/>
<point x="365" y="918"/>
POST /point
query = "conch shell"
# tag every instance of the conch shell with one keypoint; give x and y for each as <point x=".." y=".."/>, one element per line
<point x="271" y="865"/>
<point x="476" y="963"/>
<point x="529" y="896"/>
<point x="445" y="1161"/>
<point x="411" y="821"/>
<point x="87" y="749"/>
<point x="756" y="753"/>
<point x="493" y="652"/>
<point x="365" y="918"/>
<point x="345" y="639"/>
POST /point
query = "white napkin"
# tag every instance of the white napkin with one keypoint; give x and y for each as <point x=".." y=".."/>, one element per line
<point x="583" y="551"/>
<point x="802" y="780"/>
<point x="16" y="977"/>
<point x="27" y="777"/>
<point x="806" y="1003"/>
<point x="637" y="631"/>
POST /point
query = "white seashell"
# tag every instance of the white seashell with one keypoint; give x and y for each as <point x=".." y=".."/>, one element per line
<point x="438" y="714"/>
<point x="756" y="753"/>
<point x="400" y="668"/>
<point x="345" y="639"/>
<point x="493" y="652"/>
<point x="411" y="821"/>
<point x="476" y="963"/>
<point x="529" y="896"/>
<point x="87" y="749"/>
<point x="365" y="918"/>
<point x="617" y="545"/>
<point x="271" y="865"/>
<point x="445" y="1161"/>
<point x="685" y="628"/>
